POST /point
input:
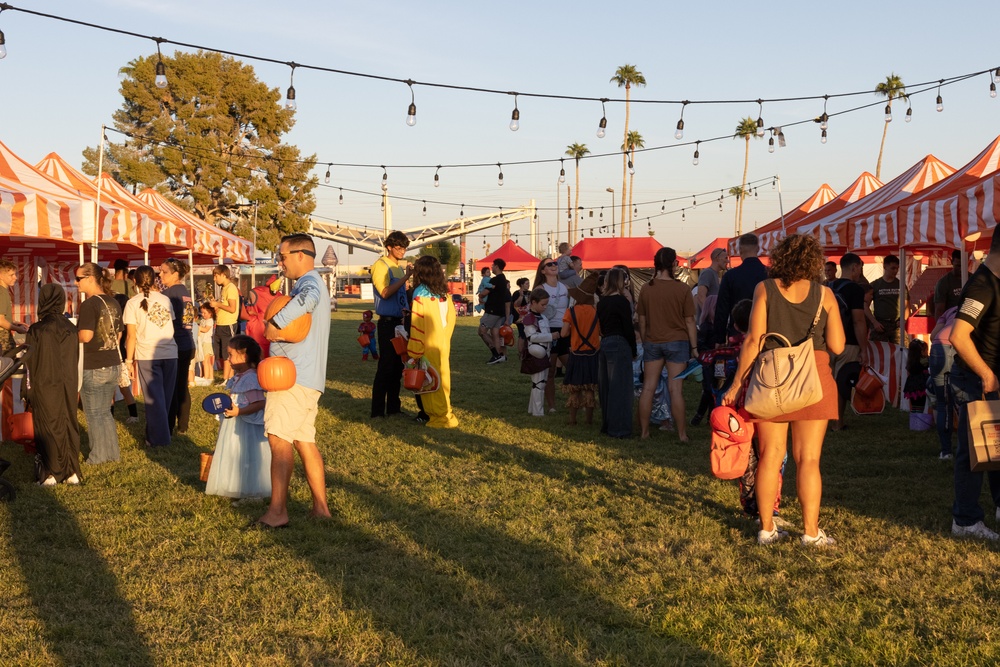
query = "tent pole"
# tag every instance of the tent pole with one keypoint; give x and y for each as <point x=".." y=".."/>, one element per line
<point x="191" y="274"/>
<point x="97" y="208"/>
<point x="781" y="206"/>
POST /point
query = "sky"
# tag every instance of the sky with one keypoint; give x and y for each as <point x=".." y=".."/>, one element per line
<point x="67" y="76"/>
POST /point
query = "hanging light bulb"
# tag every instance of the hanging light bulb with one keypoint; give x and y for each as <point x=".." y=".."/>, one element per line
<point x="824" y="119"/>
<point x="3" y="46"/>
<point x="679" y="134"/>
<point x="631" y="169"/>
<point x="635" y="211"/>
<point x="385" y="179"/>
<point x="996" y="75"/>
<point x="290" y="95"/>
<point x="760" y="119"/>
<point x="694" y="201"/>
<point x="461" y="211"/>
<point x="781" y="138"/>
<point x="663" y="207"/>
<point x="161" y="69"/>
<point x="697" y="154"/>
<point x="993" y="89"/>
<point x="562" y="171"/>
<point x="603" y="124"/>
<point x="822" y="137"/>
<point x="411" y="111"/>
<point x="515" y="117"/>
<point x="888" y="113"/>
<point x="425" y="208"/>
<point x="940" y="100"/>
<point x="683" y="216"/>
<point x="591" y="232"/>
<point x="601" y="216"/>
<point x="909" y="114"/>
<point x="341" y="195"/>
<point x="437" y="180"/>
<point x="500" y="176"/>
<point x="326" y="178"/>
<point x="770" y="143"/>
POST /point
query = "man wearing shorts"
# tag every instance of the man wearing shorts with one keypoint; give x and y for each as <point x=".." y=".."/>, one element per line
<point x="227" y="312"/>
<point x="290" y="415"/>
<point x="496" y="311"/>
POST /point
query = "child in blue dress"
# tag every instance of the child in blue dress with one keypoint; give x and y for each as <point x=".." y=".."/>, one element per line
<point x="241" y="467"/>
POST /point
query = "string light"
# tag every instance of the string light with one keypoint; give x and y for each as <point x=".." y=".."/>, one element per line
<point x="664" y="206"/>
<point x="822" y="137"/>
<point x="781" y="138"/>
<point x="679" y="134"/>
<point x="290" y="95"/>
<point x="993" y="89"/>
<point x="631" y="169"/>
<point x="411" y="111"/>
<point x="385" y="178"/>
<point x="601" y="126"/>
<point x="515" y="118"/>
<point x="760" y="119"/>
<point x="697" y="154"/>
<point x="326" y="178"/>
<point x="770" y="142"/>
<point x="341" y="195"/>
<point x="562" y="171"/>
<point x="437" y="179"/>
<point x="161" y="69"/>
<point x="888" y="113"/>
<point x="909" y="111"/>
<point x="940" y="100"/>
<point x="3" y="45"/>
<point x="824" y="119"/>
<point x="500" y="176"/>
<point x="996" y="75"/>
<point x="683" y="217"/>
<point x="601" y="216"/>
<point x="461" y="212"/>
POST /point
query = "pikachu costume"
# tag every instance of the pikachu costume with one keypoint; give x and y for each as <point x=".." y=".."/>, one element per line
<point x="433" y="322"/>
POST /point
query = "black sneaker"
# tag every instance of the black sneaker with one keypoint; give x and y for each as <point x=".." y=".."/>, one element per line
<point x="493" y="359"/>
<point x="497" y="358"/>
<point x="696" y="420"/>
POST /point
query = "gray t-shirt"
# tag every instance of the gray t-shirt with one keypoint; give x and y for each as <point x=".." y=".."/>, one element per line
<point x="708" y="279"/>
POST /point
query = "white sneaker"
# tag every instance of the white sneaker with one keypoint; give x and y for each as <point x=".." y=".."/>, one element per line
<point x="131" y="420"/>
<point x="49" y="481"/>
<point x="820" y="540"/>
<point x="976" y="530"/>
<point x="72" y="479"/>
<point x="944" y="456"/>
<point x="770" y="537"/>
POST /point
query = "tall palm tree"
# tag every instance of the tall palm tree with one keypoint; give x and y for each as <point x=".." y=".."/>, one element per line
<point x="576" y="151"/>
<point x="745" y="129"/>
<point x="737" y="193"/>
<point x="890" y="89"/>
<point x="633" y="142"/>
<point x="626" y="76"/>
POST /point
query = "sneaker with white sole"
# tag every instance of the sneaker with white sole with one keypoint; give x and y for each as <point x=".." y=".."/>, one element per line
<point x="819" y="540"/>
<point x="944" y="456"/>
<point x="766" y="537"/>
<point x="977" y="530"/>
<point x="131" y="420"/>
<point x="72" y="479"/>
<point x="49" y="481"/>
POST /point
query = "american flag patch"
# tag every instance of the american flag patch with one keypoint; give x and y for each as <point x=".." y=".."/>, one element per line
<point x="972" y="308"/>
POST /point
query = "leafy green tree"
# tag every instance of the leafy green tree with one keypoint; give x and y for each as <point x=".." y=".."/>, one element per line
<point x="746" y="129"/>
<point x="625" y="77"/>
<point x="892" y="88"/>
<point x="634" y="141"/>
<point x="576" y="151"/>
<point x="449" y="254"/>
<point x="211" y="140"/>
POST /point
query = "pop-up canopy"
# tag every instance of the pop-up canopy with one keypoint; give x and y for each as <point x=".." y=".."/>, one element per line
<point x="208" y="240"/>
<point x="603" y="253"/>
<point x="514" y="256"/>
<point x="768" y="235"/>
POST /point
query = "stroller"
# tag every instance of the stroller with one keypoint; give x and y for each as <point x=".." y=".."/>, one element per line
<point x="10" y="362"/>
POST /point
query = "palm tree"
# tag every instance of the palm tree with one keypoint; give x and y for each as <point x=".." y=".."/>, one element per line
<point x="745" y="129"/>
<point x="738" y="193"/>
<point x="635" y="141"/>
<point x="890" y="89"/>
<point x="626" y="76"/>
<point x="576" y="151"/>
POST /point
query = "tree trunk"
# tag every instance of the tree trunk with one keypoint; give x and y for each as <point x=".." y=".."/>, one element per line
<point x="625" y="157"/>
<point x="576" y="208"/>
<point x="878" y="165"/>
<point x="631" y="182"/>
<point x="743" y="186"/>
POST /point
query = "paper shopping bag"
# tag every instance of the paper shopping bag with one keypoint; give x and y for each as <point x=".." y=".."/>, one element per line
<point x="984" y="435"/>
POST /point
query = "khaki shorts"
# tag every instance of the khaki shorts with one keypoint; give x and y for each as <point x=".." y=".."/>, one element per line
<point x="291" y="415"/>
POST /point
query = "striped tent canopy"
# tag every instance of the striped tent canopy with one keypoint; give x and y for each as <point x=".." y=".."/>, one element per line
<point x="768" y="235"/>
<point x="165" y="234"/>
<point x="832" y="229"/>
<point x="876" y="229"/>
<point x="208" y="240"/>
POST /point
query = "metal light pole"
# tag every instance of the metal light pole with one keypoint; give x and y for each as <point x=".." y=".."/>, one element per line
<point x="612" y="191"/>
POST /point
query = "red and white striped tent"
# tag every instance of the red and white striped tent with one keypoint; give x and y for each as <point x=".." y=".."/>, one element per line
<point x="209" y="241"/>
<point x="165" y="234"/>
<point x="833" y="231"/>
<point x="770" y="234"/>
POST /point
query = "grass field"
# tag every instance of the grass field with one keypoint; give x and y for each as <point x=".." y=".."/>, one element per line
<point x="511" y="540"/>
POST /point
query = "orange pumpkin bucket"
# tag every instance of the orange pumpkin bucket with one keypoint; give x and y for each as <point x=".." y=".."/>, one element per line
<point x="363" y="340"/>
<point x="399" y="344"/>
<point x="868" y="382"/>
<point x="413" y="378"/>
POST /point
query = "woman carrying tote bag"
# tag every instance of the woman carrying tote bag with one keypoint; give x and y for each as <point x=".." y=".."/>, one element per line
<point x="786" y="304"/>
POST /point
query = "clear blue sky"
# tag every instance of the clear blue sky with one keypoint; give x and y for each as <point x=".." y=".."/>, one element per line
<point x="67" y="86"/>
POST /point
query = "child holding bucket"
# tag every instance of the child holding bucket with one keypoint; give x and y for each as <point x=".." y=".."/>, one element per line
<point x="539" y="336"/>
<point x="241" y="466"/>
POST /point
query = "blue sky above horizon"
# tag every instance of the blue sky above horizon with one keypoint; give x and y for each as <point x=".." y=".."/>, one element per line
<point x="68" y="80"/>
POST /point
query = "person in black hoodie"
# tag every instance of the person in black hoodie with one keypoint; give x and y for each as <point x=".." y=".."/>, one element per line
<point x="737" y="284"/>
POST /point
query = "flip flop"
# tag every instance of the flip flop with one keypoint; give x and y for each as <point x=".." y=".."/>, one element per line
<point x="260" y="525"/>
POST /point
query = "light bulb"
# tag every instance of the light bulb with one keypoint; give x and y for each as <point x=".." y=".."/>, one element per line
<point x="161" y="74"/>
<point x="993" y="89"/>
<point x="781" y="138"/>
<point x="3" y="48"/>
<point x="437" y="181"/>
<point x="425" y="208"/>
<point x="888" y="113"/>
<point x="631" y="169"/>
<point x="341" y="196"/>
<point x="909" y="115"/>
<point x="940" y="103"/>
<point x="996" y="74"/>
<point x="822" y="137"/>
<point x="824" y="121"/>
<point x="290" y="99"/>
<point x="500" y="179"/>
<point x="515" y="120"/>
<point x="411" y="115"/>
<point x="695" y="160"/>
<point x="562" y="174"/>
<point x="326" y="179"/>
<point x="760" y="126"/>
<point x="770" y="145"/>
<point x="601" y="216"/>
<point x="635" y="211"/>
<point x="679" y="134"/>
<point x="601" y="127"/>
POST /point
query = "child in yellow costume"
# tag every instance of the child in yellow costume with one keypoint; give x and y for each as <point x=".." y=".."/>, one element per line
<point x="430" y="336"/>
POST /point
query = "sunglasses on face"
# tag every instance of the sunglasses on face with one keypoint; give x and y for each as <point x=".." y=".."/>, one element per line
<point x="549" y="265"/>
<point x="282" y="256"/>
<point x="79" y="278"/>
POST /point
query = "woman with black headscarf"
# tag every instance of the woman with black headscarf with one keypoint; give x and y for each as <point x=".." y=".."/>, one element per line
<point x="52" y="357"/>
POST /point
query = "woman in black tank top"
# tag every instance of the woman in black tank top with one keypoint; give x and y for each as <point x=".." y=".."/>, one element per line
<point x="786" y="304"/>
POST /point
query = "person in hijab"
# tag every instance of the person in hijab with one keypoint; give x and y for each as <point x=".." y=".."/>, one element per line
<point x="51" y="360"/>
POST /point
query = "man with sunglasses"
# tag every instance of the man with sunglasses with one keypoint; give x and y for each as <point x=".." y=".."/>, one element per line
<point x="290" y="415"/>
<point x="391" y="306"/>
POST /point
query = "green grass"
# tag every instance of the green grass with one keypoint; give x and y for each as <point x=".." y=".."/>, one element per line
<point x="511" y="540"/>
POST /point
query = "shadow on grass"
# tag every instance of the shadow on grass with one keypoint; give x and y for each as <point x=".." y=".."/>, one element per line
<point x="74" y="594"/>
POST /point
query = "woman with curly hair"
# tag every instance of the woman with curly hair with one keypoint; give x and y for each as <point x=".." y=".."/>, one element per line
<point x="432" y="324"/>
<point x="787" y="303"/>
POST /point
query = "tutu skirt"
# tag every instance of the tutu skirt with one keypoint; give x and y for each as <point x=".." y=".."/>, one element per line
<point x="241" y="467"/>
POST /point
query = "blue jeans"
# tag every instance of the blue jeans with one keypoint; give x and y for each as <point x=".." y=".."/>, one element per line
<point x="156" y="377"/>
<point x="614" y="373"/>
<point x="97" y="394"/>
<point x="941" y="361"/>
<point x="967" y="387"/>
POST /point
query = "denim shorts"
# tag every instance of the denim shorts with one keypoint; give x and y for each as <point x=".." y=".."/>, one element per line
<point x="678" y="351"/>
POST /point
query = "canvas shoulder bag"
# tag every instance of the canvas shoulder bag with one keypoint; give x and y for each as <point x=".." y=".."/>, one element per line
<point x="784" y="379"/>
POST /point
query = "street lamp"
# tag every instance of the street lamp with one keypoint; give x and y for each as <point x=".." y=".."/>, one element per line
<point x="612" y="191"/>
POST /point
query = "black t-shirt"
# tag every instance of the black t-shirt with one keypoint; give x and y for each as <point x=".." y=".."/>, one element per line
<point x="101" y="315"/>
<point x="949" y="290"/>
<point x="524" y="302"/>
<point x="853" y="295"/>
<point x="498" y="296"/>
<point x="184" y="316"/>
<point x="885" y="299"/>
<point x="981" y="308"/>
